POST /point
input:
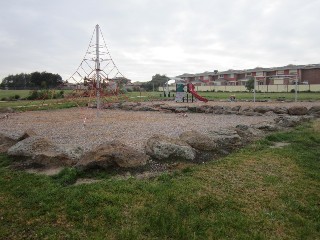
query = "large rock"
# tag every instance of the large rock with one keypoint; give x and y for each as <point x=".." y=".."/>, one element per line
<point x="280" y="110"/>
<point x="298" y="110"/>
<point x="6" y="110"/>
<point x="288" y="121"/>
<point x="40" y="151"/>
<point x="248" y="133"/>
<point x="225" y="138"/>
<point x="198" y="141"/>
<point x="113" y="153"/>
<point x="262" y="109"/>
<point x="266" y="126"/>
<point x="128" y="105"/>
<point x="6" y="142"/>
<point x="315" y="111"/>
<point x="164" y="148"/>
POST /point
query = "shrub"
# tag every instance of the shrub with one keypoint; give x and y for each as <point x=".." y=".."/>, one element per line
<point x="17" y="96"/>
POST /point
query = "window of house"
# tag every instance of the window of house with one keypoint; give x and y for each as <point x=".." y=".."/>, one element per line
<point x="280" y="72"/>
<point x="221" y="76"/>
<point x="248" y="74"/>
<point x="206" y="78"/>
<point x="293" y="71"/>
<point x="231" y="75"/>
<point x="259" y="73"/>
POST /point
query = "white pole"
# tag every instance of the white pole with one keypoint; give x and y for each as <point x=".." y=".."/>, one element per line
<point x="97" y="69"/>
<point x="254" y="89"/>
<point x="296" y="91"/>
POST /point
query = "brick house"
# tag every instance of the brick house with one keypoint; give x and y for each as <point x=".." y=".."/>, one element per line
<point x="286" y="75"/>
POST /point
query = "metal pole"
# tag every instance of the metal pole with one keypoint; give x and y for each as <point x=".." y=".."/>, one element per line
<point x="97" y="69"/>
<point x="296" y="91"/>
<point x="254" y="89"/>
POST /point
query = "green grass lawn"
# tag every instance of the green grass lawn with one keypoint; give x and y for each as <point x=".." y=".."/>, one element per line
<point x="29" y="105"/>
<point x="256" y="193"/>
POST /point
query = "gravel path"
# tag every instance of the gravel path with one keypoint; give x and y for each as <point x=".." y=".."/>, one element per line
<point x="81" y="126"/>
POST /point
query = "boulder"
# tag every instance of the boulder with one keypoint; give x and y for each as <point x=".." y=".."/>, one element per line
<point x="6" y="142"/>
<point x="225" y="138"/>
<point x="164" y="148"/>
<point x="198" y="141"/>
<point x="202" y="109"/>
<point x="280" y="110"/>
<point x="265" y="126"/>
<point x="236" y="108"/>
<point x="248" y="133"/>
<point x="315" y="111"/>
<point x="113" y="153"/>
<point x="298" y="110"/>
<point x="181" y="110"/>
<point x="288" y="121"/>
<point x="144" y="108"/>
<point x="128" y="105"/>
<point x="26" y="134"/>
<point x="217" y="109"/>
<point x="6" y="110"/>
<point x="168" y="108"/>
<point x="262" y="109"/>
<point x="192" y="109"/>
<point x="40" y="151"/>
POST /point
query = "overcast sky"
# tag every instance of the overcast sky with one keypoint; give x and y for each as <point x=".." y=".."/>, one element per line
<point x="171" y="37"/>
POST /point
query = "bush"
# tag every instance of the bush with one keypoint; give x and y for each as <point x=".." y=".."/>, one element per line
<point x="17" y="96"/>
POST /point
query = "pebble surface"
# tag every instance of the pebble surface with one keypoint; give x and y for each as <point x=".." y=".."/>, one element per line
<point x="82" y="127"/>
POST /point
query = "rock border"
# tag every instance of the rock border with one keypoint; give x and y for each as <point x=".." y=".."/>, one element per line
<point x="32" y="151"/>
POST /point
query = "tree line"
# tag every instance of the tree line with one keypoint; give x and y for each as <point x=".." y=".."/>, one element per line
<point x="35" y="80"/>
<point x="156" y="82"/>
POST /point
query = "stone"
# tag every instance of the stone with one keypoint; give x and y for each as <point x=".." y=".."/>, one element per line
<point x="26" y="134"/>
<point x="262" y="109"/>
<point x="128" y="105"/>
<point x="236" y="108"/>
<point x="192" y="109"/>
<point x="288" y="121"/>
<point x="6" y="142"/>
<point x="298" y="110"/>
<point x="248" y="133"/>
<point x="181" y="110"/>
<point x="40" y="151"/>
<point x="280" y="110"/>
<point x="225" y="138"/>
<point x="198" y="141"/>
<point x="265" y="126"/>
<point x="164" y="148"/>
<point x="144" y="108"/>
<point x="6" y="110"/>
<point x="315" y="111"/>
<point x="112" y="154"/>
<point x="202" y="109"/>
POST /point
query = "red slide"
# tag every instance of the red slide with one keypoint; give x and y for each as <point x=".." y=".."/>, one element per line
<point x="194" y="93"/>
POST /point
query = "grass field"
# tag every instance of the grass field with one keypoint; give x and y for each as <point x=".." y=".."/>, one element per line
<point x="27" y="105"/>
<point x="256" y="193"/>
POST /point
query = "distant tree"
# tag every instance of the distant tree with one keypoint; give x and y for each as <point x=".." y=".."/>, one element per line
<point x="35" y="79"/>
<point x="250" y="84"/>
<point x="157" y="81"/>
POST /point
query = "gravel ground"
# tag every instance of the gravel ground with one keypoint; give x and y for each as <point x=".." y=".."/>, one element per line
<point x="81" y="126"/>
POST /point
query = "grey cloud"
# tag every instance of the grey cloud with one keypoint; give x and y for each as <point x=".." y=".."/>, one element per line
<point x="146" y="37"/>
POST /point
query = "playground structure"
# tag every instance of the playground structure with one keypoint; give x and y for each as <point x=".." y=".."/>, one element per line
<point x="182" y="90"/>
<point x="97" y="75"/>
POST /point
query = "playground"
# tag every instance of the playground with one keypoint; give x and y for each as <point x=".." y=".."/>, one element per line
<point x="81" y="126"/>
